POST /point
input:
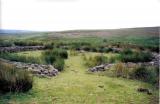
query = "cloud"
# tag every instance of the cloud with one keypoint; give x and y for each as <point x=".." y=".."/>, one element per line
<point x="78" y="14"/>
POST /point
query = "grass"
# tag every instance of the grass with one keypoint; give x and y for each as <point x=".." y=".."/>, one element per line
<point x="92" y="59"/>
<point x="14" y="79"/>
<point x="130" y="40"/>
<point x="54" y="57"/>
<point x="30" y="53"/>
<point x="75" y="86"/>
<point x="128" y="55"/>
<point x="22" y="58"/>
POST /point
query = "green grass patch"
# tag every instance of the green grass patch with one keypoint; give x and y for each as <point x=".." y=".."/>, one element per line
<point x="75" y="86"/>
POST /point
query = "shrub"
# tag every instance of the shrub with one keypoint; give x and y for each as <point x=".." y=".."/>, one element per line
<point x="59" y="64"/>
<point x="135" y="56"/>
<point x="88" y="61"/>
<point x="20" y="58"/>
<point x="113" y="59"/>
<point x="56" y="57"/>
<point x="108" y="50"/>
<point x="60" y="53"/>
<point x="51" y="55"/>
<point x="100" y="59"/>
<point x="14" y="80"/>
<point x="104" y="40"/>
<point x="95" y="60"/>
<point x="86" y="48"/>
<point x="147" y="74"/>
<point x="63" y="54"/>
<point x="153" y="48"/>
<point x="73" y="53"/>
<point x="5" y="43"/>
<point x="127" y="51"/>
<point x="27" y="43"/>
<point x="101" y="50"/>
<point x="49" y="59"/>
<point x="49" y="46"/>
<point x="94" y="49"/>
<point x="84" y="56"/>
<point x="121" y="70"/>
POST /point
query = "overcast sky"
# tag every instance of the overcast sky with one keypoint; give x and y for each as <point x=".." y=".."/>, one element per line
<point x="58" y="15"/>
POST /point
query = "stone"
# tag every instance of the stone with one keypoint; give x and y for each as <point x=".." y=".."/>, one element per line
<point x="149" y="92"/>
<point x="145" y="90"/>
<point x="42" y="75"/>
<point x="100" y="86"/>
<point x="35" y="71"/>
<point x="155" y="62"/>
<point x="36" y="65"/>
<point x="39" y="70"/>
<point x="102" y="67"/>
<point x="50" y="67"/>
<point x="20" y="48"/>
<point x="45" y="72"/>
<point x="30" y="68"/>
<point x="53" y="72"/>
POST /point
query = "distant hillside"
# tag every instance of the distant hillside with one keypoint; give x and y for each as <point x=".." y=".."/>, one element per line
<point x="143" y="31"/>
<point x="152" y="31"/>
<point x="8" y="31"/>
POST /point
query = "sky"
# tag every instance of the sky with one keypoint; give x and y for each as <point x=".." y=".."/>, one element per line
<point x="57" y="15"/>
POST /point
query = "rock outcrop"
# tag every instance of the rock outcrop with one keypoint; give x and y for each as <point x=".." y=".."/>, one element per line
<point x="37" y="69"/>
<point x="102" y="67"/>
<point x="20" y="48"/>
<point x="155" y="62"/>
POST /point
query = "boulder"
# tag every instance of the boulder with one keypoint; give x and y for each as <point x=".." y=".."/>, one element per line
<point x="101" y="67"/>
<point x="98" y="68"/>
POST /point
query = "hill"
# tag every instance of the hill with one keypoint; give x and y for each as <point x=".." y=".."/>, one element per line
<point x="152" y="31"/>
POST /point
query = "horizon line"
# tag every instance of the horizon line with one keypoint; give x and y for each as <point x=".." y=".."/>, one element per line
<point x="1" y="29"/>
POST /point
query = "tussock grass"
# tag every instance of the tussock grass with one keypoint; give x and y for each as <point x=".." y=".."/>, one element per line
<point x="55" y="57"/>
<point x="13" y="79"/>
<point x="128" y="55"/>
